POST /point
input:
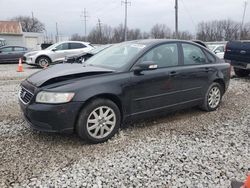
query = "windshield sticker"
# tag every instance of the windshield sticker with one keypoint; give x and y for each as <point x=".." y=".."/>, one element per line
<point x="138" y="46"/>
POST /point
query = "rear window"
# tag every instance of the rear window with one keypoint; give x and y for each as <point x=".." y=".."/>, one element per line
<point x="76" y="45"/>
<point x="19" y="49"/>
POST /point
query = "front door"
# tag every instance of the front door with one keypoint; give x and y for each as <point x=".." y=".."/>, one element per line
<point x="157" y="89"/>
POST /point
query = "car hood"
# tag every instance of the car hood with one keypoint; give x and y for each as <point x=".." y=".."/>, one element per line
<point x="38" y="52"/>
<point x="63" y="72"/>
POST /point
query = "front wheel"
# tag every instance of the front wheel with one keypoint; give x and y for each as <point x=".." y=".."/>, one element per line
<point x="212" y="98"/>
<point x="43" y="62"/>
<point x="98" y="121"/>
<point x="241" y="72"/>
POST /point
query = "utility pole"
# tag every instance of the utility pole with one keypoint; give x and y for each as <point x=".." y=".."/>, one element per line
<point x="100" y="30"/>
<point x="176" y="19"/>
<point x="57" y="35"/>
<point x="84" y="16"/>
<point x="243" y="18"/>
<point x="126" y="3"/>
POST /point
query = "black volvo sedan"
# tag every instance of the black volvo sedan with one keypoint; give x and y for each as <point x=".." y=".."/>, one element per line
<point x="126" y="81"/>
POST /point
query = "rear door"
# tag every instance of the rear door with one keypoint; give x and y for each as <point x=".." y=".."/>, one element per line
<point x="75" y="48"/>
<point x="18" y="52"/>
<point x="197" y="67"/>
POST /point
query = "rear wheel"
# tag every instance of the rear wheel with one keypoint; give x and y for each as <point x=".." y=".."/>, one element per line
<point x="43" y="61"/>
<point x="213" y="97"/>
<point x="241" y="72"/>
<point x="98" y="121"/>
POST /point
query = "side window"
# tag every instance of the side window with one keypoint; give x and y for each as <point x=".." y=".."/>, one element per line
<point x="165" y="55"/>
<point x="76" y="45"/>
<point x="210" y="57"/>
<point x="63" y="46"/>
<point x="193" y="55"/>
<point x="9" y="49"/>
<point x="19" y="49"/>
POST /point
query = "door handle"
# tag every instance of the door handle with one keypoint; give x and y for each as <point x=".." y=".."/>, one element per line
<point x="207" y="69"/>
<point x="173" y="73"/>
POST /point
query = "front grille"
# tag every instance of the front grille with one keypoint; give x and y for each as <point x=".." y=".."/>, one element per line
<point x="25" y="95"/>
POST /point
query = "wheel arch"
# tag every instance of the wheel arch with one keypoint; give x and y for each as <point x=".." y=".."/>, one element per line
<point x="42" y="56"/>
<point x="114" y="98"/>
<point x="222" y="83"/>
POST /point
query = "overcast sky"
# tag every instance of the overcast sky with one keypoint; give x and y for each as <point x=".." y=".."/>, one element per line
<point x="142" y="14"/>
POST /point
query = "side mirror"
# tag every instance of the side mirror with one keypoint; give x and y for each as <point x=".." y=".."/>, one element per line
<point x="145" y="65"/>
<point x="54" y="49"/>
<point x="217" y="51"/>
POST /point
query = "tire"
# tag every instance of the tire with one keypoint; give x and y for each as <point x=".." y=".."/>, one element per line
<point x="241" y="72"/>
<point x="96" y="128"/>
<point x="214" y="93"/>
<point x="43" y="61"/>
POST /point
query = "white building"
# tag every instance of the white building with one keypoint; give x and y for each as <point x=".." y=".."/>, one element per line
<point x="12" y="32"/>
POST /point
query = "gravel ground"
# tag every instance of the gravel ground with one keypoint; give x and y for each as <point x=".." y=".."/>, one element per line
<point x="190" y="148"/>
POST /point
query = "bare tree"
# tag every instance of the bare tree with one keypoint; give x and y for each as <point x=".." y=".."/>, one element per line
<point x="218" y="30"/>
<point x="30" y="24"/>
<point x="160" y="31"/>
<point x="134" y="34"/>
<point x="77" y="37"/>
<point x="245" y="33"/>
<point x="118" y="34"/>
<point x="184" y="35"/>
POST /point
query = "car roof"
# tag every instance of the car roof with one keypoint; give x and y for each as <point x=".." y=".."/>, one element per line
<point x="74" y="42"/>
<point x="150" y="42"/>
<point x="11" y="46"/>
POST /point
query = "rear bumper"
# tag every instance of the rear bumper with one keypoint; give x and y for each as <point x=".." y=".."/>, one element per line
<point x="51" y="118"/>
<point x="240" y="65"/>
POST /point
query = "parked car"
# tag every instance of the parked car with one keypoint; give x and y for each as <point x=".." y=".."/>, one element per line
<point x="238" y="54"/>
<point x="80" y="58"/>
<point x="218" y="49"/>
<point x="56" y="53"/>
<point x="129" y="80"/>
<point x="11" y="54"/>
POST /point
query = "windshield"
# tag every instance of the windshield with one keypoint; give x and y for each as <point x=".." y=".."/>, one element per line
<point x="116" y="57"/>
<point x="52" y="46"/>
<point x="99" y="48"/>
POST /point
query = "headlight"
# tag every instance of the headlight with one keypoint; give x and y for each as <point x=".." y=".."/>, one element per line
<point x="53" y="98"/>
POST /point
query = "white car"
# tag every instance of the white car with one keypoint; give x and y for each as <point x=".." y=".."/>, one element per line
<point x="218" y="49"/>
<point x="56" y="53"/>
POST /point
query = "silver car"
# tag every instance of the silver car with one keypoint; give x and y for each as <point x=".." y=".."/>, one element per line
<point x="56" y="53"/>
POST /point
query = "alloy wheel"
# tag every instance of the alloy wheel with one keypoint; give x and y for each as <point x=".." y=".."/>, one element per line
<point x="214" y="97"/>
<point x="101" y="122"/>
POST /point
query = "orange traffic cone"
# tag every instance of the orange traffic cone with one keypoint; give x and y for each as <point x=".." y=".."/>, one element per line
<point x="20" y="66"/>
<point x="247" y="182"/>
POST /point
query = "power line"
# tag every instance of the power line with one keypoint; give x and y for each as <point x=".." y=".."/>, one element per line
<point x="84" y="16"/>
<point x="126" y="3"/>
